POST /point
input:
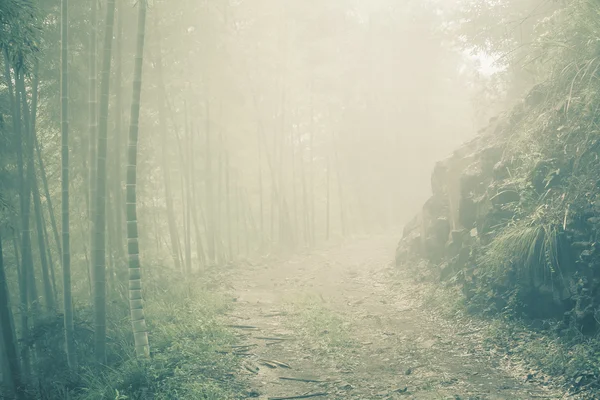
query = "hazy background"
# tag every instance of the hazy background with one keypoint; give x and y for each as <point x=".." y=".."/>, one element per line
<point x="324" y="117"/>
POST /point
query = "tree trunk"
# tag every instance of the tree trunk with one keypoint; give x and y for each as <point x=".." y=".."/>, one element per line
<point x="187" y="173"/>
<point x="260" y="185"/>
<point x="53" y="224"/>
<point x="174" y="237"/>
<point x="136" y="303"/>
<point x="328" y="205"/>
<point x="99" y="226"/>
<point x="194" y="206"/>
<point x="66" y="242"/>
<point x="50" y="261"/>
<point x="209" y="191"/>
<point x="311" y="161"/>
<point x="27" y="290"/>
<point x="37" y="205"/>
<point x="8" y="338"/>
<point x="118" y="180"/>
<point x="228" y="208"/>
<point x="93" y="139"/>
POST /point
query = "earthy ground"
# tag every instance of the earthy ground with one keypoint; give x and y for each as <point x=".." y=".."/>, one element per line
<point x="349" y="327"/>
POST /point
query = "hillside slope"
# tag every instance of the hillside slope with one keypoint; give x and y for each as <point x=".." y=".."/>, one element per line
<point x="515" y="213"/>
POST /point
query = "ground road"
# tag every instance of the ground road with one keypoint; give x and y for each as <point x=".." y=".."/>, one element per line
<point x="340" y="323"/>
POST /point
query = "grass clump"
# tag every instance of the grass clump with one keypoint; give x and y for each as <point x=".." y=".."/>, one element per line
<point x="528" y="253"/>
<point x="185" y="335"/>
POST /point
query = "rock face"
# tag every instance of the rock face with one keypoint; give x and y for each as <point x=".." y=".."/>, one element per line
<point x="482" y="229"/>
<point x="456" y="205"/>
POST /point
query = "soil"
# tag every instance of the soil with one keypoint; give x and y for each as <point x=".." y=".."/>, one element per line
<point x="349" y="325"/>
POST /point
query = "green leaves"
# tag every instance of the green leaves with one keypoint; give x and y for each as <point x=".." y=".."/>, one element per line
<point x="19" y="32"/>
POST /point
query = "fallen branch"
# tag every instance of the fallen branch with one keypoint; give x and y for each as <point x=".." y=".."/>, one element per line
<point x="269" y="338"/>
<point x="300" y="379"/>
<point x="234" y="353"/>
<point x="278" y="363"/>
<point x="276" y="314"/>
<point x="268" y="363"/>
<point x="252" y="369"/>
<point x="302" y="396"/>
<point x="242" y="326"/>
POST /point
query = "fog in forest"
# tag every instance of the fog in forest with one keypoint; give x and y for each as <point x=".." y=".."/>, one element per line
<point x="154" y="153"/>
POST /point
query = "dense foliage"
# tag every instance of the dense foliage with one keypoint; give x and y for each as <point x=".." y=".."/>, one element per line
<point x="519" y="204"/>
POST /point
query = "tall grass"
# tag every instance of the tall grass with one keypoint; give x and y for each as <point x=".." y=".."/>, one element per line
<point x="531" y="251"/>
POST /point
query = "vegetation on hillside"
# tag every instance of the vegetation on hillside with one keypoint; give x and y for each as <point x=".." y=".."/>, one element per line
<point x="520" y="203"/>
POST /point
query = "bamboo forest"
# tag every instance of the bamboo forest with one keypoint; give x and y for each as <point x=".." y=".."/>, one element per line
<point x="298" y="199"/>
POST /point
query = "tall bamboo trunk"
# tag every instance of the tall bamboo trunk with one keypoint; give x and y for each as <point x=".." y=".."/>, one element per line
<point x="38" y="213"/>
<point x="172" y="224"/>
<point x="305" y="209"/>
<point x="118" y="147"/>
<point x="294" y="190"/>
<point x="66" y="242"/>
<point x="342" y="203"/>
<point x="221" y="257"/>
<point x="136" y="302"/>
<point x="194" y="204"/>
<point x="110" y="234"/>
<point x="50" y="261"/>
<point x="26" y="291"/>
<point x="311" y="160"/>
<point x="278" y="203"/>
<point x="260" y="185"/>
<point x="236" y="222"/>
<point x="93" y="138"/>
<point x="199" y="245"/>
<point x="244" y="225"/>
<point x="228" y="209"/>
<point x="44" y="177"/>
<point x="274" y="198"/>
<point x="99" y="226"/>
<point x="37" y="206"/>
<point x="209" y="191"/>
<point x="186" y="194"/>
<point x="8" y="337"/>
<point x="328" y="201"/>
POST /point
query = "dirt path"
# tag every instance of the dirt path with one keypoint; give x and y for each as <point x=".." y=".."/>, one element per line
<point x="337" y="321"/>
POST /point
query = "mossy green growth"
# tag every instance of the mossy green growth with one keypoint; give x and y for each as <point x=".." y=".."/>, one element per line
<point x="185" y="336"/>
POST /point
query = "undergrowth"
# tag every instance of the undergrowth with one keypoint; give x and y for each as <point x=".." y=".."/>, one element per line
<point x="185" y="336"/>
<point x="567" y="357"/>
<point x="571" y="360"/>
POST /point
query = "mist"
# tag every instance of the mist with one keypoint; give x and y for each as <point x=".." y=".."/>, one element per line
<point x="342" y="199"/>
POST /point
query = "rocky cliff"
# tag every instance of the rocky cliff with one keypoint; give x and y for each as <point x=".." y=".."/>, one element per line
<point x="514" y="217"/>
